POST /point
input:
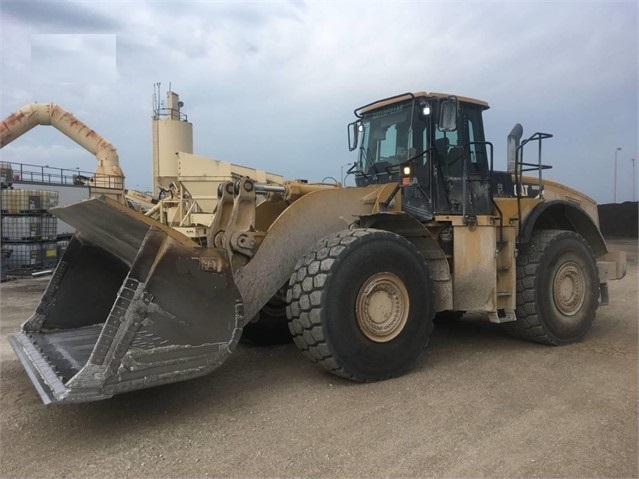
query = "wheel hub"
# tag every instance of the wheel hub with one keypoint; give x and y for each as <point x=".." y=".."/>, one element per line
<point x="382" y="307"/>
<point x="568" y="288"/>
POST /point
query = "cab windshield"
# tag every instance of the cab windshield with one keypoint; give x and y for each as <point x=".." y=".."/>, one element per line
<point x="408" y="131"/>
<point x="390" y="136"/>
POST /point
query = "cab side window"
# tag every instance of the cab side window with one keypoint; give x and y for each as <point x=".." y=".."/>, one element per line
<point x="478" y="159"/>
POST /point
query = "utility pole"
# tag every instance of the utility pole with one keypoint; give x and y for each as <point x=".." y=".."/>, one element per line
<point x="614" y="188"/>
<point x="634" y="181"/>
<point x="342" y="177"/>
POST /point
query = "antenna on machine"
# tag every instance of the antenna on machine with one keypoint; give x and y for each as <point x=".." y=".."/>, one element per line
<point x="154" y="101"/>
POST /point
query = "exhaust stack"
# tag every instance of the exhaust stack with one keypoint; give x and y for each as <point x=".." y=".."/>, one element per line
<point x="514" y="139"/>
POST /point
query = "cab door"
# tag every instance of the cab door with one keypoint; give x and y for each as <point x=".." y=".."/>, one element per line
<point x="464" y="163"/>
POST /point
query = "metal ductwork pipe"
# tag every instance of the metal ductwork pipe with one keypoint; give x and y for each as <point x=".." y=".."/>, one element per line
<point x="108" y="173"/>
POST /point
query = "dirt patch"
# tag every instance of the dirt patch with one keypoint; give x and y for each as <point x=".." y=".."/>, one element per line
<point x="477" y="403"/>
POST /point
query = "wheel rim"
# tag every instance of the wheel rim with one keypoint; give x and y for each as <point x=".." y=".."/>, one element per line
<point x="382" y="307"/>
<point x="569" y="290"/>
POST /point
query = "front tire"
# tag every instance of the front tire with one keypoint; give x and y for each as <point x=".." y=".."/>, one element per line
<point x="360" y="304"/>
<point x="557" y="288"/>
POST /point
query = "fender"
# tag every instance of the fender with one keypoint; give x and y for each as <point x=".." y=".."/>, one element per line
<point x="425" y="241"/>
<point x="560" y="214"/>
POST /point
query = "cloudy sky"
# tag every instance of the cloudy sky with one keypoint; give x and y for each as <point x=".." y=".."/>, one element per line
<point x="273" y="84"/>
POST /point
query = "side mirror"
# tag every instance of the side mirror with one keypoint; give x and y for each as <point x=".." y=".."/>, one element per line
<point x="353" y="134"/>
<point x="448" y="114"/>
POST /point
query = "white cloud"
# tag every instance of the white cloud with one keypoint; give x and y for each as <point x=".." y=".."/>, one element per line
<point x="73" y="58"/>
<point x="273" y="85"/>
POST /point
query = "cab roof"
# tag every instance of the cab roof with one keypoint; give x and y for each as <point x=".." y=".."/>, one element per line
<point x="420" y="94"/>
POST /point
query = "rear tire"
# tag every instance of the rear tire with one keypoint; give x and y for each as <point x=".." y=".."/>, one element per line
<point x="557" y="288"/>
<point x="360" y="304"/>
<point x="271" y="327"/>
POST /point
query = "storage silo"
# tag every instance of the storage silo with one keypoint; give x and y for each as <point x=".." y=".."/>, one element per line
<point x="172" y="133"/>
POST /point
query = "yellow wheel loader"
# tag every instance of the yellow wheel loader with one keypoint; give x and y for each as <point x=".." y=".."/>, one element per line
<point x="358" y="272"/>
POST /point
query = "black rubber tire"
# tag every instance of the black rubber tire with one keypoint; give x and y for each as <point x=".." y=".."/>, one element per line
<point x="321" y="304"/>
<point x="271" y="327"/>
<point x="448" y="316"/>
<point x="539" y="314"/>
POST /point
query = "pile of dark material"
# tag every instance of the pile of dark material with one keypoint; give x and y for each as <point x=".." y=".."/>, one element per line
<point x="619" y="219"/>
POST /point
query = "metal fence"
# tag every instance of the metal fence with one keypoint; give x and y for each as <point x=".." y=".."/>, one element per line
<point x="48" y="175"/>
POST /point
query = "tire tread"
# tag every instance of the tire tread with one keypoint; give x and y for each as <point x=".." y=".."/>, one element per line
<point x="303" y="313"/>
<point x="529" y="325"/>
<point x="303" y="307"/>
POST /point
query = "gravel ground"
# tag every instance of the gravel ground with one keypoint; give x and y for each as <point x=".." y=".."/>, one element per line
<point x="477" y="404"/>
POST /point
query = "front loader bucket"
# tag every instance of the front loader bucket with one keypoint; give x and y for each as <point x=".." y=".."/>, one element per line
<point x="132" y="304"/>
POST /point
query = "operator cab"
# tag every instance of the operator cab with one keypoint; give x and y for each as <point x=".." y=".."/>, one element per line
<point x="433" y="145"/>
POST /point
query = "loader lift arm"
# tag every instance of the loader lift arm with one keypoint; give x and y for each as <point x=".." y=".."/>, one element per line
<point x="154" y="306"/>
